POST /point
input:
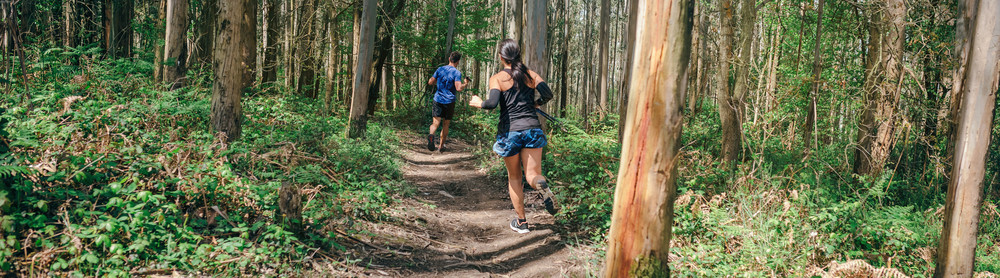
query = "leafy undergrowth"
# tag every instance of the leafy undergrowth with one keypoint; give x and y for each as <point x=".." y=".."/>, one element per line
<point x="107" y="175"/>
<point x="778" y="213"/>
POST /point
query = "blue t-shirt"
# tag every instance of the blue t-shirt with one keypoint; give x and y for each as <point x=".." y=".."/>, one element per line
<point x="446" y="77"/>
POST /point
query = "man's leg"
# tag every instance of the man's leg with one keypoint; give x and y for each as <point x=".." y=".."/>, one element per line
<point x="435" y="124"/>
<point x="430" y="135"/>
<point x="444" y="132"/>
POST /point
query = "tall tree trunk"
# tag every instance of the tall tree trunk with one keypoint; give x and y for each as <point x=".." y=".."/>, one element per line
<point x="773" y="60"/>
<point x="633" y="12"/>
<point x="696" y="60"/>
<point x="304" y="51"/>
<point x="451" y="29"/>
<point x="639" y="239"/>
<point x="700" y="52"/>
<point x="118" y="28"/>
<point x="333" y="62"/>
<point x="206" y="30"/>
<point x="564" y="66"/>
<point x="160" y="22"/>
<point x="516" y="31"/>
<point x="175" y="47"/>
<point x="603" y="56"/>
<point x="235" y="58"/>
<point x="748" y="19"/>
<point x="355" y="38"/>
<point x="288" y="12"/>
<point x="810" y="127"/>
<point x="365" y="38"/>
<point x="270" y="74"/>
<point x="802" y="34"/>
<point x="963" y="28"/>
<point x="981" y="74"/>
<point x="383" y="45"/>
<point x="878" y="126"/>
<point x="728" y="112"/>
<point x="69" y="23"/>
<point x="534" y="36"/>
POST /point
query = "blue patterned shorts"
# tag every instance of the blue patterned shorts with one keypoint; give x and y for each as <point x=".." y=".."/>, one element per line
<point x="510" y="144"/>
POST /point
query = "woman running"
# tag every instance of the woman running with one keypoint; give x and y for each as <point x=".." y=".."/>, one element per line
<point x="519" y="134"/>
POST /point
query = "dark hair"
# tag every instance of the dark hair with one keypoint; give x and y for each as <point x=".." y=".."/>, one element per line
<point x="511" y="54"/>
<point x="455" y="57"/>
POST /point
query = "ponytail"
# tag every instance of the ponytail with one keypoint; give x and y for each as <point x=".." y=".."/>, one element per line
<point x="511" y="53"/>
<point x="520" y="73"/>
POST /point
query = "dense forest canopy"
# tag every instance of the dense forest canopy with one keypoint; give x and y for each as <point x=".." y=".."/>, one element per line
<point x="245" y="137"/>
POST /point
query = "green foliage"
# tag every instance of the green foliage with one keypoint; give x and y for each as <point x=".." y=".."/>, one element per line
<point x="108" y="175"/>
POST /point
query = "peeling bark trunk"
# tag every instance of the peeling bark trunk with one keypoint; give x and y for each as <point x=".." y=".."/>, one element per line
<point x="981" y="74"/>
<point x="639" y="238"/>
<point x="365" y="42"/>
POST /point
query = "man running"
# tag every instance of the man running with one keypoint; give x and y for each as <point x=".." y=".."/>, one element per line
<point x="448" y="80"/>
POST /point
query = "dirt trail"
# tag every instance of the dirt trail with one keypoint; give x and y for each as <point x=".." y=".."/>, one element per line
<point x="456" y="225"/>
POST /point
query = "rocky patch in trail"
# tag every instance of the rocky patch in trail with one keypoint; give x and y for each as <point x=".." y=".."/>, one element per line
<point x="456" y="225"/>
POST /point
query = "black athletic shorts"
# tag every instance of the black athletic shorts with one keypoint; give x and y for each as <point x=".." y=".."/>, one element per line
<point x="446" y="111"/>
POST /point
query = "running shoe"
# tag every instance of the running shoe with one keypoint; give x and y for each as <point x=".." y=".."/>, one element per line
<point x="548" y="198"/>
<point x="518" y="226"/>
<point x="430" y="142"/>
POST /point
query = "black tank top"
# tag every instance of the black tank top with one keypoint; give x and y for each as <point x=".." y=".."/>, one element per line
<point x="517" y="109"/>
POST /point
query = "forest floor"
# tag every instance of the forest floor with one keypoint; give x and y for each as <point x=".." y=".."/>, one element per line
<point x="456" y="225"/>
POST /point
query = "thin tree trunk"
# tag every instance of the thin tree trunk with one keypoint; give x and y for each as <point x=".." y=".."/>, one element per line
<point x="118" y="28"/>
<point x="981" y="74"/>
<point x="270" y="70"/>
<point x="451" y="29"/>
<point x="160" y="25"/>
<point x="306" y="37"/>
<point x="748" y="18"/>
<point x="175" y="48"/>
<point x="633" y="12"/>
<point x="695" y="65"/>
<point x="773" y="60"/>
<point x="817" y="69"/>
<point x="642" y="216"/>
<point x="564" y="66"/>
<point x="603" y="56"/>
<point x="69" y="23"/>
<point x="206" y="30"/>
<point x="332" y="62"/>
<point x="235" y="59"/>
<point x="365" y="38"/>
<point x="802" y="34"/>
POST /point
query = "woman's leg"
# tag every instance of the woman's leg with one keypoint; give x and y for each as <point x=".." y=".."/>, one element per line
<point x="532" y="160"/>
<point x="514" y="186"/>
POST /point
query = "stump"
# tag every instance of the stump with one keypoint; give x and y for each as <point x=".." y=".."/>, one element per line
<point x="290" y="207"/>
